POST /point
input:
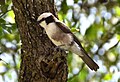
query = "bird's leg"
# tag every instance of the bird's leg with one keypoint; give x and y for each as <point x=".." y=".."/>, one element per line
<point x="59" y="48"/>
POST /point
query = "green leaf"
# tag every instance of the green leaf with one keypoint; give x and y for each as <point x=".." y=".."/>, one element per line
<point x="10" y="37"/>
<point x="64" y="7"/>
<point x="11" y="16"/>
<point x="117" y="9"/>
<point x="61" y="16"/>
<point x="1" y="31"/>
<point x="70" y="57"/>
<point x="118" y="36"/>
<point x="118" y="1"/>
<point x="2" y="2"/>
<point x="75" y="1"/>
<point x="118" y="29"/>
<point x="83" y="75"/>
<point x="91" y="33"/>
<point x="4" y="8"/>
<point x="2" y="21"/>
<point x="8" y="2"/>
<point x="108" y="76"/>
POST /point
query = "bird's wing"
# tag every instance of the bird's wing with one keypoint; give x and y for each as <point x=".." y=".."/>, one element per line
<point x="86" y="58"/>
<point x="65" y="29"/>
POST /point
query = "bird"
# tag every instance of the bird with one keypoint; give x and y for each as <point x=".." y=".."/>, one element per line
<point x="61" y="36"/>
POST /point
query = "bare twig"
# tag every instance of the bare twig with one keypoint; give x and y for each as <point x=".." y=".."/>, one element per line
<point x="105" y="38"/>
<point x="5" y="13"/>
<point x="3" y="61"/>
<point x="15" y="65"/>
<point x="114" y="45"/>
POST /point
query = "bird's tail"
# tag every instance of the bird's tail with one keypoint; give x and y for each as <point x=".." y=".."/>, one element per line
<point x="79" y="50"/>
<point x="88" y="60"/>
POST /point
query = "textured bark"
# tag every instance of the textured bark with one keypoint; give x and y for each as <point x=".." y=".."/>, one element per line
<point x="40" y="61"/>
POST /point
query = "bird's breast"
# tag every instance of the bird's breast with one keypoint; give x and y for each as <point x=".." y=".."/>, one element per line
<point x="53" y="33"/>
<point x="57" y="36"/>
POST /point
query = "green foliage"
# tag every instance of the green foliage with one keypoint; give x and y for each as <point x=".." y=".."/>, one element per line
<point x="96" y="24"/>
<point x="117" y="10"/>
<point x="64" y="7"/>
<point x="91" y="33"/>
<point x="9" y="40"/>
<point x="107" y="76"/>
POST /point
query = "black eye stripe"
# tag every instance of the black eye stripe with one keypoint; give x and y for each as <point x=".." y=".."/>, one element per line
<point x="49" y="19"/>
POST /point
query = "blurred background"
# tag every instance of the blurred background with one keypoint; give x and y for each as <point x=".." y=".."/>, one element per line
<point x="95" y="22"/>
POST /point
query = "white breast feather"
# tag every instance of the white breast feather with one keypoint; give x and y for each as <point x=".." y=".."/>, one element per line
<point x="51" y="30"/>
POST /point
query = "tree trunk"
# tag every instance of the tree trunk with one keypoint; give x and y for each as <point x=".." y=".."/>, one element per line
<point x="41" y="62"/>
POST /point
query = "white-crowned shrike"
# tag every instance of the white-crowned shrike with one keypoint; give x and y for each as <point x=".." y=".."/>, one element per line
<point x="62" y="37"/>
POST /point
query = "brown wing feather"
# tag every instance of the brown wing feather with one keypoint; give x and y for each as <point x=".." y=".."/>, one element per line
<point x="65" y="29"/>
<point x="86" y="58"/>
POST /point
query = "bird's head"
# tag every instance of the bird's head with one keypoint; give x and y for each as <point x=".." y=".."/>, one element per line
<point x="45" y="18"/>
